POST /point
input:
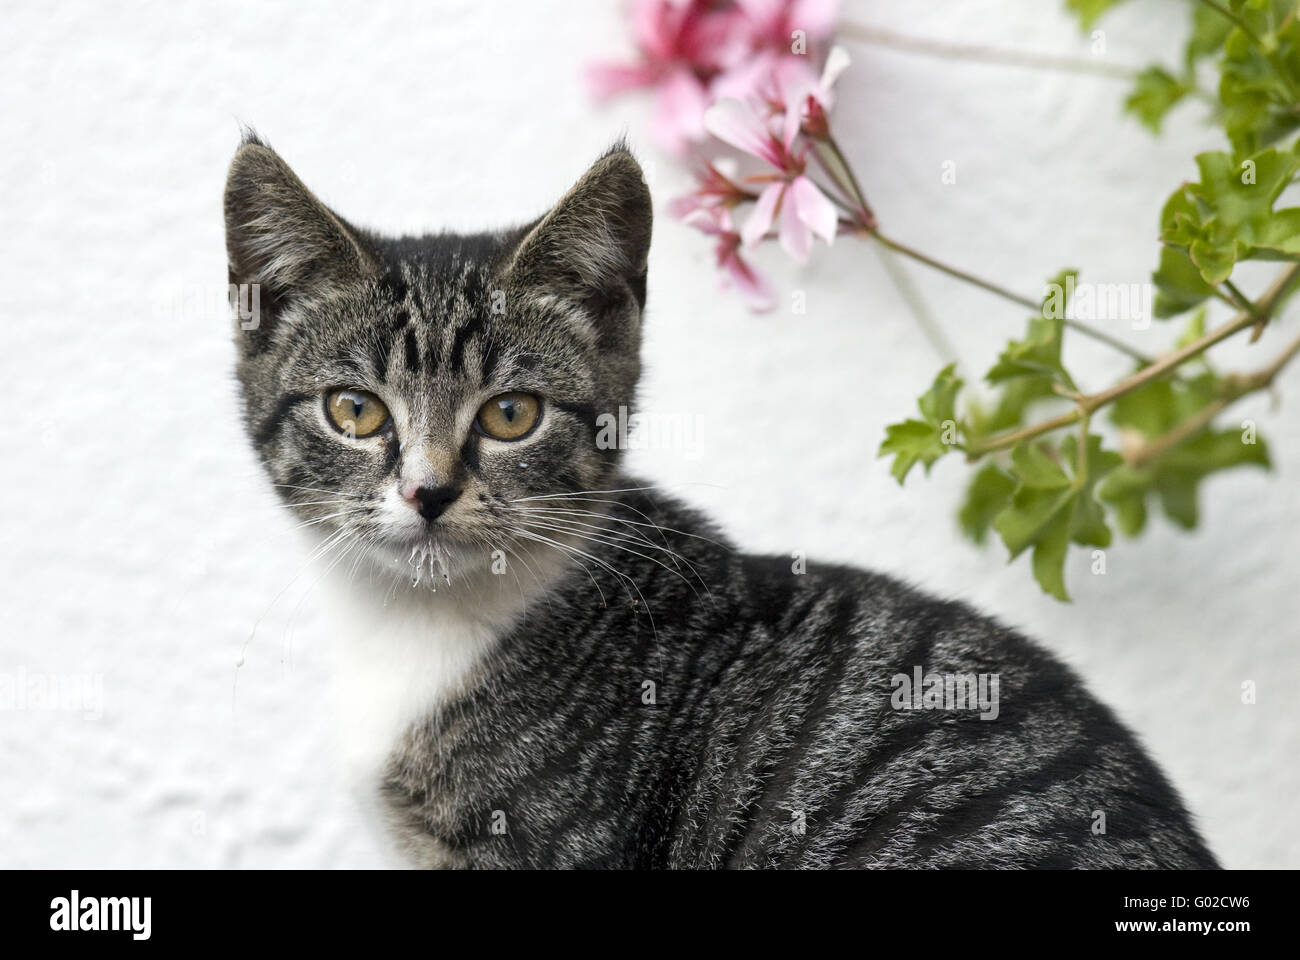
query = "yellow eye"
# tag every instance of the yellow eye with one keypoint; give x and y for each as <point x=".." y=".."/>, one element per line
<point x="509" y="416"/>
<point x="356" y="413"/>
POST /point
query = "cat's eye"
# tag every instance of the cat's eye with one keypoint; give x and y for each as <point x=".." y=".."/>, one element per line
<point x="509" y="416"/>
<point x="356" y="413"/>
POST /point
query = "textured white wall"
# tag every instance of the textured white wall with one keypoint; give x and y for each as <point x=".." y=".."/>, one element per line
<point x="142" y="545"/>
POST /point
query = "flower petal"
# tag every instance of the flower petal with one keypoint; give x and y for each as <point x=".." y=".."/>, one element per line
<point x="753" y="286"/>
<point x="736" y="123"/>
<point x="654" y="27"/>
<point x="837" y="61"/>
<point x="678" y="117"/>
<point x="764" y="212"/>
<point x="796" y="238"/>
<point x="606" y="80"/>
<point x="815" y="16"/>
<point x="814" y="209"/>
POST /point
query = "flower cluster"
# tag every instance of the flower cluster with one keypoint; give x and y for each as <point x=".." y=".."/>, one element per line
<point x="782" y="123"/>
<point x="694" y="52"/>
<point x="744" y="72"/>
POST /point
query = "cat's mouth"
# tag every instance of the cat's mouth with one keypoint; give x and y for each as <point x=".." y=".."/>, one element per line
<point x="430" y="560"/>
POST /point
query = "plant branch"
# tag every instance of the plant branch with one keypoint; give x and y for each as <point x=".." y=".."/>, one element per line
<point x="1220" y="8"/>
<point x="1087" y="403"/>
<point x="1238" y="386"/>
<point x="1242" y="301"/>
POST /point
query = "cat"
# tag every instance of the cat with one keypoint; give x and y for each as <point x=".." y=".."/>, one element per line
<point x="553" y="665"/>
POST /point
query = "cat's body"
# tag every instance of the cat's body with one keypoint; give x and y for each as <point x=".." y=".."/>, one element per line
<point x="755" y="726"/>
<point x="598" y="679"/>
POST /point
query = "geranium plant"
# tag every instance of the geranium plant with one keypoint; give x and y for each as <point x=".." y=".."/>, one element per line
<point x="757" y="76"/>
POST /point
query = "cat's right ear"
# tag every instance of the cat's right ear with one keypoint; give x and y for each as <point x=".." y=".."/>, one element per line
<point x="281" y="241"/>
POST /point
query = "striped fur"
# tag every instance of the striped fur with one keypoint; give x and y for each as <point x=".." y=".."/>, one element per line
<point x="602" y="680"/>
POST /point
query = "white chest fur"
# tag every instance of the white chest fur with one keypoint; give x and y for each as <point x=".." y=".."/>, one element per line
<point x="401" y="650"/>
<point x="394" y="666"/>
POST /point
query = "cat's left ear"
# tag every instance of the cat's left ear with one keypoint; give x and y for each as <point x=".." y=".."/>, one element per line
<point x="280" y="237"/>
<point x="591" y="249"/>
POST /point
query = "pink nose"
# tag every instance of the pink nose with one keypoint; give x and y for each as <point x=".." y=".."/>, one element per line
<point x="430" y="501"/>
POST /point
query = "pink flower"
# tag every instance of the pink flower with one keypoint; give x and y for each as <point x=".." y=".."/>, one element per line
<point x="716" y="222"/>
<point x="683" y="46"/>
<point x="694" y="52"/>
<point x="773" y="22"/>
<point x="803" y="210"/>
<point x="713" y="188"/>
<point x="815" y="100"/>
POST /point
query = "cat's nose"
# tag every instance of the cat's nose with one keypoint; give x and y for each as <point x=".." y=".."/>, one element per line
<point x="432" y="502"/>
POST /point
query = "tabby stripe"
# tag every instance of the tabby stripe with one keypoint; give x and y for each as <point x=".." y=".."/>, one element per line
<point x="585" y="414"/>
<point x="968" y="818"/>
<point x="463" y="336"/>
<point x="491" y="357"/>
<point x="469" y="451"/>
<point x="270" y="424"/>
<point x="883" y="825"/>
<point x="381" y="349"/>
<point x="412" y="352"/>
<point x="914" y="732"/>
<point x="393" y="287"/>
<point x="432" y="347"/>
<point x="784" y="767"/>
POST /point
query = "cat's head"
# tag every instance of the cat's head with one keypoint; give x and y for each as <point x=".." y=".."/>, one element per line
<point x="406" y="396"/>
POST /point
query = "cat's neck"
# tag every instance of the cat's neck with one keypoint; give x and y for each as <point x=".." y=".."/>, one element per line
<point x="403" y="648"/>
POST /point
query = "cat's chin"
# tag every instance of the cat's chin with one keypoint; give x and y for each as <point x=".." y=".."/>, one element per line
<point x="435" y="558"/>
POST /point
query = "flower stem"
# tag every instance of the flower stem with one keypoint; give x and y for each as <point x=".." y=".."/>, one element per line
<point x="956" y="273"/>
<point x="916" y="303"/>
<point x="960" y="51"/>
<point x="868" y="218"/>
<point x="988" y="285"/>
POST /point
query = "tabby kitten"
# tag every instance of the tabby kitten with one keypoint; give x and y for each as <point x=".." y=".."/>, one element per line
<point x="551" y="665"/>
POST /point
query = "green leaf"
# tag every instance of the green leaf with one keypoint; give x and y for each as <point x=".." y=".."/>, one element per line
<point x="1015" y="397"/>
<point x="1039" y="353"/>
<point x="1155" y="94"/>
<point x="1194" y="331"/>
<point x="1126" y="491"/>
<point x="1259" y="84"/>
<point x="1174" y="479"/>
<point x="1159" y="406"/>
<point x="939" y="403"/>
<point x="1179" y="284"/>
<point x="1089" y="10"/>
<point x="1209" y="29"/>
<point x="1053" y="505"/>
<point x="1228" y="216"/>
<point x="925" y="441"/>
<point x="988" y="494"/>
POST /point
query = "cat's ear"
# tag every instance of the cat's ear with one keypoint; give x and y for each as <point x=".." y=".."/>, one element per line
<point x="280" y="237"/>
<point x="591" y="249"/>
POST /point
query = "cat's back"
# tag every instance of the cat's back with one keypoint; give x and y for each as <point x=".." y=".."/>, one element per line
<point x="860" y="723"/>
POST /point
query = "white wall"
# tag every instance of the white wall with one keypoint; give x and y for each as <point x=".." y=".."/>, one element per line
<point x="142" y="545"/>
